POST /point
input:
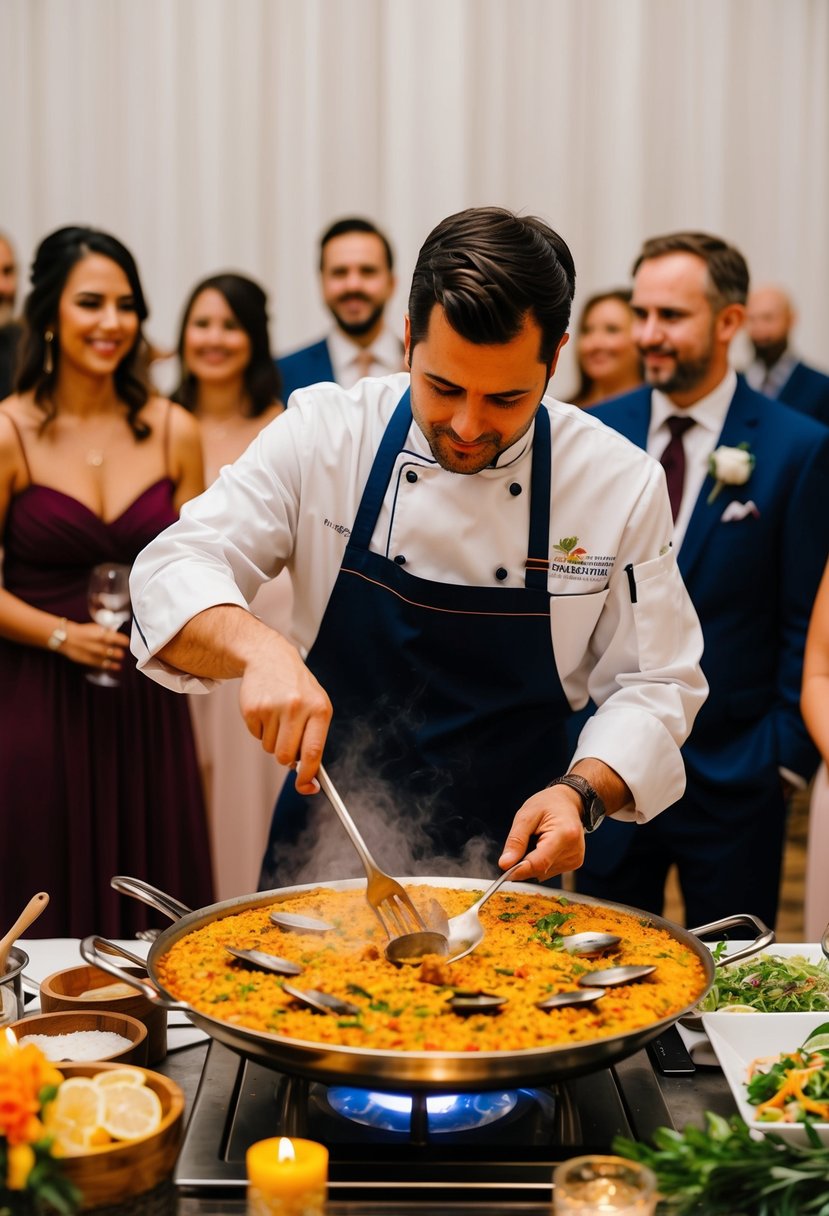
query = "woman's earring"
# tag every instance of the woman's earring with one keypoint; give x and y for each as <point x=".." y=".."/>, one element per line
<point x="48" y="357"/>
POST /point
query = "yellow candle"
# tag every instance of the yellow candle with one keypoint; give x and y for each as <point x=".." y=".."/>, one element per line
<point x="287" y="1177"/>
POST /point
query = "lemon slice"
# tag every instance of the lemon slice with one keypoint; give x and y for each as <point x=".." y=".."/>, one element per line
<point x="119" y="1076"/>
<point x="75" y="1115"/>
<point x="130" y="1111"/>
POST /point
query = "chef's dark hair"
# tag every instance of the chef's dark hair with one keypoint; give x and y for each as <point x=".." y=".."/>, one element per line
<point x="488" y="269"/>
<point x="249" y="305"/>
<point x="355" y="223"/>
<point x="55" y="257"/>
<point x="727" y="268"/>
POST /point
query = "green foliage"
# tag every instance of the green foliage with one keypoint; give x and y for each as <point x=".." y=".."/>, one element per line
<point x="722" y="1171"/>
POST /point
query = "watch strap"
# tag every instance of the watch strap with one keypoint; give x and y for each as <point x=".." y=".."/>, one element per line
<point x="593" y="807"/>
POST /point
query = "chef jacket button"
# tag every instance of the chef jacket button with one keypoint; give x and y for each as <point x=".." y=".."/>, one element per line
<point x="515" y="489"/>
<point x="501" y="574"/>
<point x="400" y="560"/>
<point x="411" y="475"/>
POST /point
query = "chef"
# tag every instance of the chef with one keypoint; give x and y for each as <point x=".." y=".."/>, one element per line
<point x="471" y="561"/>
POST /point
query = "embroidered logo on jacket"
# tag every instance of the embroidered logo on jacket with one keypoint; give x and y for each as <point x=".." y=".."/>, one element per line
<point x="576" y="561"/>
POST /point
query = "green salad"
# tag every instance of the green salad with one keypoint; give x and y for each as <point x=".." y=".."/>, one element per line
<point x="794" y="1086"/>
<point x="771" y="984"/>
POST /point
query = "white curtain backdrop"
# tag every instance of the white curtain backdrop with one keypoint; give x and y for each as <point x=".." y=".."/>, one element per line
<point x="226" y="134"/>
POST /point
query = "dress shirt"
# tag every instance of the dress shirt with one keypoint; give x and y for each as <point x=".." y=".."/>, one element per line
<point x="386" y="354"/>
<point x="291" y="499"/>
<point x="770" y="380"/>
<point x="699" y="441"/>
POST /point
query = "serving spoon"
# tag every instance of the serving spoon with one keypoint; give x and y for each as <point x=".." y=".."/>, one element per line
<point x="265" y="962"/>
<point x="301" y="924"/>
<point x="321" y="1002"/>
<point x="465" y="933"/>
<point x="824" y="942"/>
<point x="611" y="977"/>
<point x="585" y="944"/>
<point x="577" y="996"/>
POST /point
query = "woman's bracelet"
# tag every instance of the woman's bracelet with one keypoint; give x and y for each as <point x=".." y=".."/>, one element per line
<point x="58" y="635"/>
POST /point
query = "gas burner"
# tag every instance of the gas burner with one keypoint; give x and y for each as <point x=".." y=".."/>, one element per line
<point x="423" y="1151"/>
<point x="443" y="1112"/>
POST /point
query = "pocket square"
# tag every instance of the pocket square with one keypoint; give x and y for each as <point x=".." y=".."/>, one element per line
<point x="739" y="510"/>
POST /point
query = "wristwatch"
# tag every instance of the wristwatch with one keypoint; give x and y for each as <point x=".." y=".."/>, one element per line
<point x="58" y="636"/>
<point x="593" y="809"/>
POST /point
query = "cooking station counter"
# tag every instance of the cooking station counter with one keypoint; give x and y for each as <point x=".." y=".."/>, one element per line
<point x="371" y="1174"/>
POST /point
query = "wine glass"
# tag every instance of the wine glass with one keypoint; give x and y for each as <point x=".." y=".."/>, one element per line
<point x="108" y="599"/>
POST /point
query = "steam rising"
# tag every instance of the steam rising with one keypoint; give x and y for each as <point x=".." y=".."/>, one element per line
<point x="396" y="826"/>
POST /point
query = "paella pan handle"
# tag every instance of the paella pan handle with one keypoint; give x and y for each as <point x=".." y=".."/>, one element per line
<point x="138" y="889"/>
<point x="764" y="935"/>
<point x="92" y="951"/>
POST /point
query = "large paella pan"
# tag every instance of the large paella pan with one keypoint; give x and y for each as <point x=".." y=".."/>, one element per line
<point x="429" y="1066"/>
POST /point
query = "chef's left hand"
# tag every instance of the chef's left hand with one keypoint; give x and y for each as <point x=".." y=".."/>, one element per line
<point x="554" y="817"/>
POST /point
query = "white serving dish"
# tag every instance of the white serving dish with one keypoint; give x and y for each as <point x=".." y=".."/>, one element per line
<point x="807" y="950"/>
<point x="739" y="1040"/>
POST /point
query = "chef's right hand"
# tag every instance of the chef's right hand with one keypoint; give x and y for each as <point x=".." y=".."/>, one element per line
<point x="286" y="708"/>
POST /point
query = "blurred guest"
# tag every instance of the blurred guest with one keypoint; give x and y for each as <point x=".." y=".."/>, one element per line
<point x="776" y="369"/>
<point x="229" y="381"/>
<point x="609" y="362"/>
<point x="747" y="479"/>
<point x="357" y="282"/>
<point x="10" y="329"/>
<point x="94" y="780"/>
<point x="815" y="706"/>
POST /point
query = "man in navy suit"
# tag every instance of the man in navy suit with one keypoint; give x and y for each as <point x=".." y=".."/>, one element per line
<point x="749" y="483"/>
<point x="775" y="369"/>
<point x="357" y="282"/>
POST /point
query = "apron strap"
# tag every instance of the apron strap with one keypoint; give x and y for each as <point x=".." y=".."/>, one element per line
<point x="378" y="482"/>
<point x="538" y="557"/>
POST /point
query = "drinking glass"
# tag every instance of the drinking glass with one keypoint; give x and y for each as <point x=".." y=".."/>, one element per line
<point x="108" y="599"/>
<point x="603" y="1186"/>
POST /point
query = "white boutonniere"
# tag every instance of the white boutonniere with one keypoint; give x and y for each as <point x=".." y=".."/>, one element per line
<point x="730" y="467"/>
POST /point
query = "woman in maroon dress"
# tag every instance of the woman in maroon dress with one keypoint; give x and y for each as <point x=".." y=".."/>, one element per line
<point x="94" y="780"/>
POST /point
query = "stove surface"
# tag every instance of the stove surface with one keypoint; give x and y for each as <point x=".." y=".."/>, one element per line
<point x="415" y="1155"/>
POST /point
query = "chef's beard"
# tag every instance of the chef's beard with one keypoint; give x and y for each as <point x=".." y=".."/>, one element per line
<point x="6" y="310"/>
<point x="441" y="438"/>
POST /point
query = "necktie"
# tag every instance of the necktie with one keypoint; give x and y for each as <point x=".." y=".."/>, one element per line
<point x="673" y="460"/>
<point x="363" y="361"/>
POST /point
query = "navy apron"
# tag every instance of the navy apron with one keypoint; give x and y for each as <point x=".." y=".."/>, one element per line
<point x="449" y="693"/>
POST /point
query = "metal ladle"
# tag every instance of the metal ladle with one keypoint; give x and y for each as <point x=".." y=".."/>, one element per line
<point x="465" y="932"/>
<point x="265" y="962"/>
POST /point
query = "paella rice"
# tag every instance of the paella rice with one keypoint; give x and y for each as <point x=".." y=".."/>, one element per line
<point x="407" y="1009"/>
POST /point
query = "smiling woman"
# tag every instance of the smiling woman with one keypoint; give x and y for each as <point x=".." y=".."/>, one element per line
<point x="93" y="776"/>
<point x="231" y="384"/>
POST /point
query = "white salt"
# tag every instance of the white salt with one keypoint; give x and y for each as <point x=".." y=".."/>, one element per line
<point x="79" y="1045"/>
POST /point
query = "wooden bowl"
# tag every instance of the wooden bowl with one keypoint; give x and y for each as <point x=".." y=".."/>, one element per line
<point x="124" y="1168"/>
<point x="62" y="991"/>
<point x="91" y="1020"/>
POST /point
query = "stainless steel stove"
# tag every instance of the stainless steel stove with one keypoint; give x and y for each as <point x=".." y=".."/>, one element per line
<point x="416" y="1149"/>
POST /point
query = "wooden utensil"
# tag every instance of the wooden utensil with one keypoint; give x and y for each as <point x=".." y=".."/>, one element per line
<point x="27" y="917"/>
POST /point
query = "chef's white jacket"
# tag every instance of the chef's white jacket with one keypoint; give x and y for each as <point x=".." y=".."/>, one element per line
<point x="623" y="629"/>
